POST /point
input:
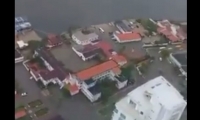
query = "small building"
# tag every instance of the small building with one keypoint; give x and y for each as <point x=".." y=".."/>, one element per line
<point x="51" y="72"/>
<point x="54" y="40"/>
<point x="179" y="59"/>
<point x="84" y="37"/>
<point x="89" y="77"/>
<point x="19" y="114"/>
<point x="18" y="56"/>
<point x="127" y="37"/>
<point x="122" y="27"/>
<point x="86" y="52"/>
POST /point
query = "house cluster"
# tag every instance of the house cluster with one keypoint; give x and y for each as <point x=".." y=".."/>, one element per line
<point x="173" y="33"/>
<point x="126" y="32"/>
<point x="54" y="40"/>
<point x="179" y="59"/>
<point x="53" y="72"/>
<point x="151" y="101"/>
<point x="21" y="24"/>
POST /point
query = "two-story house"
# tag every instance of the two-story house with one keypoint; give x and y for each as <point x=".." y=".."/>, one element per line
<point x="88" y="78"/>
<point x="82" y="37"/>
<point x="86" y="52"/>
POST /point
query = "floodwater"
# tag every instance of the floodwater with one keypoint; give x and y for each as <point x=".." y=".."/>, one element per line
<point x="57" y="15"/>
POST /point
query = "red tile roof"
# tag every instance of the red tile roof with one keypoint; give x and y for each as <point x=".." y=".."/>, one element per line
<point x="106" y="47"/>
<point x="118" y="58"/>
<point x="20" y="114"/>
<point x="54" y="39"/>
<point x="95" y="70"/>
<point x="129" y="36"/>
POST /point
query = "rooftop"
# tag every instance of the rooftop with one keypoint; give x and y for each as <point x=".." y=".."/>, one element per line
<point x="54" y="39"/>
<point x="87" y="50"/>
<point x="95" y="70"/>
<point x="159" y="89"/>
<point x="181" y="57"/>
<point x="123" y="26"/>
<point x="58" y="70"/>
<point x="81" y="36"/>
<point x="128" y="36"/>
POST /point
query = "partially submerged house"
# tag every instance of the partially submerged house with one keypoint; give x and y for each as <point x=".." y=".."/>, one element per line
<point x="84" y="37"/>
<point x="86" y="52"/>
<point x="18" y="56"/>
<point x="89" y="77"/>
<point x="51" y="71"/>
<point x="54" y="40"/>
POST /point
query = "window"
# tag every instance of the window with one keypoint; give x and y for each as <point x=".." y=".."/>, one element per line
<point x="115" y="110"/>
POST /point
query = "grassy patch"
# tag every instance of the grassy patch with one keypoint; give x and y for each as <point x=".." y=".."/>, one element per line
<point x="35" y="103"/>
<point x="41" y="112"/>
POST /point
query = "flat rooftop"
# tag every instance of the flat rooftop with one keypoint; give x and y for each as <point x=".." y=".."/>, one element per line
<point x="70" y="59"/>
<point x="82" y="36"/>
<point x="159" y="88"/>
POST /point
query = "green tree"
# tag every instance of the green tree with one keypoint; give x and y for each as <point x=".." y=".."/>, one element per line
<point x="164" y="53"/>
<point x="107" y="88"/>
<point x="34" y="44"/>
<point x="127" y="71"/>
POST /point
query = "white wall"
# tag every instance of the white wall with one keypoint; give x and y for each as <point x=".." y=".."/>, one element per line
<point x="20" y="59"/>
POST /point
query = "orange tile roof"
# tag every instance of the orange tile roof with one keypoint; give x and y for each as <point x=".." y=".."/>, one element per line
<point x="20" y="114"/>
<point x="129" y="36"/>
<point x="119" y="58"/>
<point x="116" y="70"/>
<point x="98" y="69"/>
<point x="73" y="88"/>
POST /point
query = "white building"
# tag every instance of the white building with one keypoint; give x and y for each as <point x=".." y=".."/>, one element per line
<point x="84" y="38"/>
<point x="179" y="59"/>
<point x="154" y="100"/>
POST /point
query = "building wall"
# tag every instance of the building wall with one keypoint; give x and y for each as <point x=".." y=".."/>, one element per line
<point x="117" y="115"/>
<point x="84" y="42"/>
<point x="89" y="95"/>
<point x="121" y="85"/>
<point x="20" y="59"/>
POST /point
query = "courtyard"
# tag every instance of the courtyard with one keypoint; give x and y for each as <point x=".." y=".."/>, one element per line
<point x="70" y="59"/>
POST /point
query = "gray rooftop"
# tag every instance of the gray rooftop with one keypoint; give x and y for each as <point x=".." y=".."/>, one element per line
<point x="79" y="35"/>
<point x="181" y="57"/>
